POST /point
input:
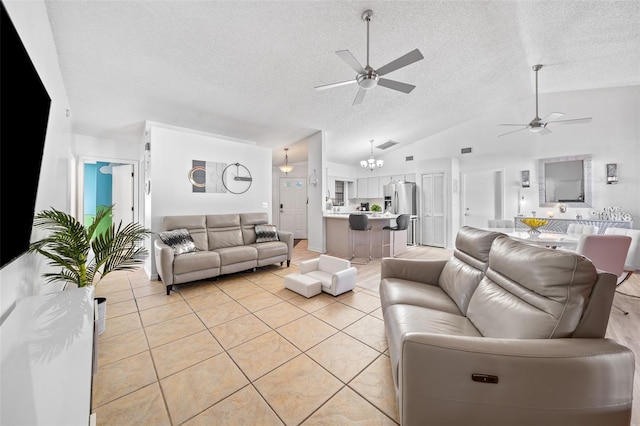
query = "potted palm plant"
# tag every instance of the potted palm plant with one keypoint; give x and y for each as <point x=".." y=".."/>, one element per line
<point x="83" y="255"/>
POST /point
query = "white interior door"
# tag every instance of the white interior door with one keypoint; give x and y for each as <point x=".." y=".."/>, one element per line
<point x="122" y="194"/>
<point x="433" y="210"/>
<point x="482" y="197"/>
<point x="293" y="206"/>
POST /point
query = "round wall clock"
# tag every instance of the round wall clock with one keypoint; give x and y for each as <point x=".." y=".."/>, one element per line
<point x="236" y="178"/>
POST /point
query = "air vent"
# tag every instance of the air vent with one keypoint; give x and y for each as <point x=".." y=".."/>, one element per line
<point x="408" y="158"/>
<point x="387" y="144"/>
<point x="465" y="151"/>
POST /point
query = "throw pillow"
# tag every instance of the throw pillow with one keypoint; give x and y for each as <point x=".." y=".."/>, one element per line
<point x="179" y="240"/>
<point x="266" y="233"/>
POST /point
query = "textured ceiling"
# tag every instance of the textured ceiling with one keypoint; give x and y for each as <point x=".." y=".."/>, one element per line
<point x="248" y="69"/>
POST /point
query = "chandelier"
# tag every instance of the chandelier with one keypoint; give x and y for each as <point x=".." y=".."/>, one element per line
<point x="371" y="163"/>
<point x="286" y="168"/>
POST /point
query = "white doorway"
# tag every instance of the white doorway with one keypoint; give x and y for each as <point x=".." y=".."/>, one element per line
<point x="121" y="189"/>
<point x="434" y="223"/>
<point x="482" y="197"/>
<point x="293" y="206"/>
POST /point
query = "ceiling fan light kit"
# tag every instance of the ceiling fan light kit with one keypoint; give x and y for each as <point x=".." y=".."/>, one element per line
<point x="539" y="125"/>
<point x="368" y="77"/>
<point x="371" y="163"/>
<point x="286" y="168"/>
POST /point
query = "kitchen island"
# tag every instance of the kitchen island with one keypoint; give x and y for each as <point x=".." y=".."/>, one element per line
<point x="339" y="237"/>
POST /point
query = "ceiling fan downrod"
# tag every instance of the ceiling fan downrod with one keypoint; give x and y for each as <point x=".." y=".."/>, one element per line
<point x="537" y="68"/>
<point x="366" y="16"/>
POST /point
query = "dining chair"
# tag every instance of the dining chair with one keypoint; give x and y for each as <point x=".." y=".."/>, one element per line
<point x="632" y="262"/>
<point x="577" y="229"/>
<point x="500" y="223"/>
<point x="606" y="252"/>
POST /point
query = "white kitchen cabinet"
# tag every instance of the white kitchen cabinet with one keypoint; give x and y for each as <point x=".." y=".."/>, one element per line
<point x="369" y="188"/>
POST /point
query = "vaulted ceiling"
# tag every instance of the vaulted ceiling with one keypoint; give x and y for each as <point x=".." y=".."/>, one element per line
<point x="247" y="69"/>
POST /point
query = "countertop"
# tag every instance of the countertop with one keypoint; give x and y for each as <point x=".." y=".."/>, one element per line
<point x="345" y="215"/>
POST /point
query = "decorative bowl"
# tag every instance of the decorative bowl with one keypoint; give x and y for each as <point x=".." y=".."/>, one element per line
<point x="533" y="224"/>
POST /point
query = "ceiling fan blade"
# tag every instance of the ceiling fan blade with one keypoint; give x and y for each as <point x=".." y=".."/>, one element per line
<point x="402" y="61"/>
<point x="346" y="56"/>
<point x="508" y="133"/>
<point x="572" y="121"/>
<point x="332" y="85"/>
<point x="519" y="124"/>
<point x="543" y="131"/>
<point x="396" y="85"/>
<point x="551" y="116"/>
<point x="360" y="96"/>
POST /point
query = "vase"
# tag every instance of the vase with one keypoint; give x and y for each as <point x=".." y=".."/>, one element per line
<point x="533" y="231"/>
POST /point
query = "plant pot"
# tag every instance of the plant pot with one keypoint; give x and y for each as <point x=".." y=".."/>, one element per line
<point x="102" y="313"/>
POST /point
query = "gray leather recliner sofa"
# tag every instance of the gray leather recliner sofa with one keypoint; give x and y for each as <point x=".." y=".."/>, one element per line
<point x="504" y="333"/>
<point x="226" y="243"/>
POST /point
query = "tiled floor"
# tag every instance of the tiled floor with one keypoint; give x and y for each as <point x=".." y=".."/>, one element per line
<point x="240" y="350"/>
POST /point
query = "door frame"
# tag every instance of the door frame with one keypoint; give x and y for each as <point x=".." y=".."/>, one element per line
<point x="82" y="160"/>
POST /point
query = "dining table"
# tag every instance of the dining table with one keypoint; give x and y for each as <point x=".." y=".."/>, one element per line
<point x="544" y="239"/>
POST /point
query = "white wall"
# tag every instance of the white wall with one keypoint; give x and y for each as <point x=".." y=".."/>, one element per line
<point x="22" y="277"/>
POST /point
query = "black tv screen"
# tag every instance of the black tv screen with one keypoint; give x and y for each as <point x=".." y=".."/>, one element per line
<point x="24" y="113"/>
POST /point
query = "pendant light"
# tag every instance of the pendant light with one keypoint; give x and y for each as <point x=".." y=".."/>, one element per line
<point x="371" y="163"/>
<point x="286" y="168"/>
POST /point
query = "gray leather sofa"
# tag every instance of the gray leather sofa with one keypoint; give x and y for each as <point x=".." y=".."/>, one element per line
<point x="226" y="243"/>
<point x="504" y="333"/>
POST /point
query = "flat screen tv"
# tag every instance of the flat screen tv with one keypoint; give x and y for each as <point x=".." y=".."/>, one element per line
<point x="24" y="114"/>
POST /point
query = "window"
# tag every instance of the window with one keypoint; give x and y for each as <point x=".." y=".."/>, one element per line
<point x="339" y="194"/>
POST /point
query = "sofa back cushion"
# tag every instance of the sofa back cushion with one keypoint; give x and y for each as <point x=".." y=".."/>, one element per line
<point x="531" y="292"/>
<point x="332" y="264"/>
<point x="223" y="230"/>
<point x="248" y="222"/>
<point x="463" y="272"/>
<point x="195" y="224"/>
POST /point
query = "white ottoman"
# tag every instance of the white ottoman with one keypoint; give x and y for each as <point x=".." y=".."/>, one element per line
<point x="303" y="284"/>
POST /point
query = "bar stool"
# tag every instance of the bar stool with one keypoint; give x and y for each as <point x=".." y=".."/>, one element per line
<point x="402" y="223"/>
<point x="359" y="223"/>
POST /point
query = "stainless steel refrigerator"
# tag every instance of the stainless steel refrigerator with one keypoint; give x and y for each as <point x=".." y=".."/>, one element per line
<point x="400" y="198"/>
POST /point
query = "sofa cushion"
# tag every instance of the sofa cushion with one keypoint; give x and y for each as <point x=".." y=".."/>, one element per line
<point x="531" y="292"/>
<point x="400" y="320"/>
<point x="332" y="264"/>
<point x="196" y="261"/>
<point x="271" y="249"/>
<point x="463" y="272"/>
<point x="322" y="276"/>
<point x="223" y="230"/>
<point x="395" y="291"/>
<point x="179" y="240"/>
<point x="266" y="233"/>
<point x="237" y="254"/>
<point x="248" y="221"/>
<point x="195" y="224"/>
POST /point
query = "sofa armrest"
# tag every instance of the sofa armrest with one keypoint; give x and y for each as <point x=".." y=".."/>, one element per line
<point x="418" y="270"/>
<point x="287" y="237"/>
<point x="344" y="280"/>
<point x="164" y="256"/>
<point x="546" y="381"/>
<point x="309" y="265"/>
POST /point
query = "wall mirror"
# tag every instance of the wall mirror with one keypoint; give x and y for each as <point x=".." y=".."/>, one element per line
<point x="565" y="180"/>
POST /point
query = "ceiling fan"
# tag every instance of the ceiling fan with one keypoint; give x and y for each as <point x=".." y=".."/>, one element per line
<point x="539" y="125"/>
<point x="368" y="77"/>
